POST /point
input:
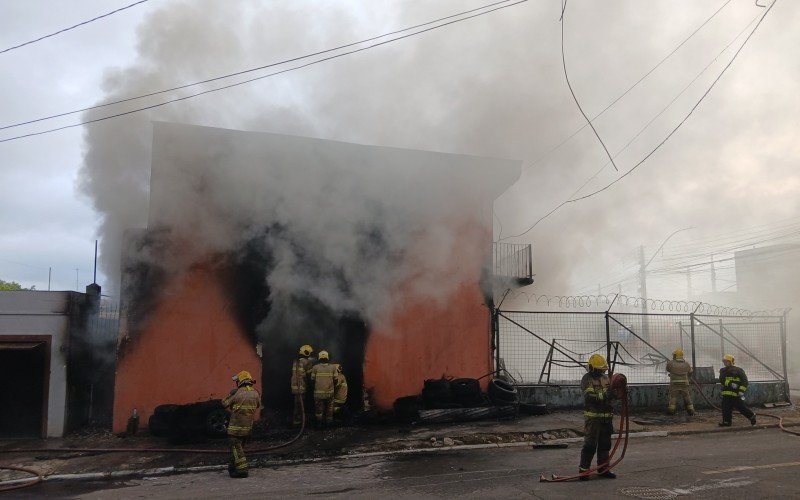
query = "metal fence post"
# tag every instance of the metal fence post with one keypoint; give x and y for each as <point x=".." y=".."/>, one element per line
<point x="691" y="331"/>
<point x="496" y="338"/>
<point x="783" y="352"/>
<point x="721" y="339"/>
<point x="608" y="344"/>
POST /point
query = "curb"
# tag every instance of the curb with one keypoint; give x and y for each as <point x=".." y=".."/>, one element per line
<point x="731" y="429"/>
<point x="165" y="471"/>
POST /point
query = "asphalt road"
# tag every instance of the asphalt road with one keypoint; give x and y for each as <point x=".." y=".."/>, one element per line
<point x="698" y="465"/>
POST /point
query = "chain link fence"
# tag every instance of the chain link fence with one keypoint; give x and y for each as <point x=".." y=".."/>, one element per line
<point x="553" y="347"/>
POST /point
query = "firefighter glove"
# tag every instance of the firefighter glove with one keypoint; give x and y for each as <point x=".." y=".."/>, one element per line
<point x="601" y="394"/>
<point x="741" y="396"/>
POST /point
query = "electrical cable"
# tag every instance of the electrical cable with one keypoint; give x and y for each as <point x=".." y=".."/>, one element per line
<point x="571" y="91"/>
<point x="72" y="27"/>
<point x="265" y="66"/>
<point x="629" y="89"/>
<point x="691" y="111"/>
<point x="668" y="136"/>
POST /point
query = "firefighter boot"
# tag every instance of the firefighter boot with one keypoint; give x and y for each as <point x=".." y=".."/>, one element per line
<point x="583" y="474"/>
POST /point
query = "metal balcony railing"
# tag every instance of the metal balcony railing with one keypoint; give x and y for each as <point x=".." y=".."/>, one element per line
<point x="514" y="261"/>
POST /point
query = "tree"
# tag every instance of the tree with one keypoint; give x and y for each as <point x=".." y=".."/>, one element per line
<point x="10" y="286"/>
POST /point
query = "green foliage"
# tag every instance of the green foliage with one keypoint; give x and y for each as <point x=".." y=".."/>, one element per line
<point x="10" y="286"/>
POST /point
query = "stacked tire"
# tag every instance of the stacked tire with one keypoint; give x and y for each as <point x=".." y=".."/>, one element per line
<point x="502" y="393"/>
<point x="437" y="393"/>
<point x="467" y="392"/>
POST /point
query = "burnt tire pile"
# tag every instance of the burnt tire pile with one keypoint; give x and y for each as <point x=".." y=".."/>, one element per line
<point x="456" y="394"/>
<point x="182" y="423"/>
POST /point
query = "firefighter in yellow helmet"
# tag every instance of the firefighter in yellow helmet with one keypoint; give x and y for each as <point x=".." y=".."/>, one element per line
<point x="734" y="385"/>
<point x="679" y="371"/>
<point x="340" y="390"/>
<point x="301" y="372"/>
<point x="598" y="415"/>
<point x="323" y="374"/>
<point x="242" y="403"/>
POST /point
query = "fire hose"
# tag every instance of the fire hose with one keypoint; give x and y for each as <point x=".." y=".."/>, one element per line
<point x="39" y="477"/>
<point x="779" y="418"/>
<point x="619" y="385"/>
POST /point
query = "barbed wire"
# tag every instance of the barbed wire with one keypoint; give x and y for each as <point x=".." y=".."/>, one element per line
<point x="678" y="306"/>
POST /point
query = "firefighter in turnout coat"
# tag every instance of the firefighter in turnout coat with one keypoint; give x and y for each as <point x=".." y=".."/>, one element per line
<point x="242" y="403"/>
<point x="598" y="415"/>
<point x="323" y="375"/>
<point x="339" y="391"/>
<point x="679" y="371"/>
<point x="301" y="373"/>
<point x="734" y="385"/>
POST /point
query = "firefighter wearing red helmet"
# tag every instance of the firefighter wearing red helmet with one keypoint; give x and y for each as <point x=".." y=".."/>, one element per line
<point x="598" y="415"/>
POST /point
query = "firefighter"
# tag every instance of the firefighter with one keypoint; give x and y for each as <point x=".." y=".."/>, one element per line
<point x="340" y="390"/>
<point x="323" y="374"/>
<point x="734" y="385"/>
<point x="242" y="403"/>
<point x="301" y="372"/>
<point x="598" y="415"/>
<point x="679" y="371"/>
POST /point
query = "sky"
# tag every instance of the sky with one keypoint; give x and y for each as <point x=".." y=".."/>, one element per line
<point x="490" y="86"/>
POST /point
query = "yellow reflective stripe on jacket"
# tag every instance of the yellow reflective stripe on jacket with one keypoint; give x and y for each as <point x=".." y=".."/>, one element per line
<point x="592" y="414"/>
<point x="730" y="393"/>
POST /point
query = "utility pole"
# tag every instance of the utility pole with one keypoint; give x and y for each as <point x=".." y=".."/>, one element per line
<point x="76" y="280"/>
<point x="643" y="292"/>
<point x="688" y="283"/>
<point x="49" y="275"/>
<point x="599" y="290"/>
<point x="642" y="279"/>
<point x="713" y="276"/>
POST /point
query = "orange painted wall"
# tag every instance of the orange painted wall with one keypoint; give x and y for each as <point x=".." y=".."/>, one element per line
<point x="425" y="338"/>
<point x="188" y="351"/>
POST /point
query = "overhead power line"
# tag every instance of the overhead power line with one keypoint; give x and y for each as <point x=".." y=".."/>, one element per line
<point x="626" y="92"/>
<point x="73" y="27"/>
<point x="691" y="111"/>
<point x="571" y="198"/>
<point x="270" y="65"/>
<point x="571" y="91"/>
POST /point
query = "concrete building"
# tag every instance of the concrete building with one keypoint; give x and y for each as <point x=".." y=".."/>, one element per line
<point x="197" y="308"/>
<point x="50" y="363"/>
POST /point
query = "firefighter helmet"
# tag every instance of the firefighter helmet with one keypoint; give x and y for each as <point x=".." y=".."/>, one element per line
<point x="729" y="358"/>
<point x="597" y="362"/>
<point x="323" y="355"/>
<point x="677" y="353"/>
<point x="243" y="377"/>
<point x="306" y="350"/>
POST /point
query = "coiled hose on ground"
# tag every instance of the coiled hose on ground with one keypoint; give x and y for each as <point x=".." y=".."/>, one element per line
<point x="39" y="477"/>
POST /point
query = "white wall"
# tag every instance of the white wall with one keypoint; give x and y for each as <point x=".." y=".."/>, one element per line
<point x="43" y="313"/>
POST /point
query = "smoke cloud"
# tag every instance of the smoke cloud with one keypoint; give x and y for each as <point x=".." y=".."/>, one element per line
<point x="494" y="86"/>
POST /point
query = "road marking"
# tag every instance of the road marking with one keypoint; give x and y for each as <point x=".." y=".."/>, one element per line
<point x="649" y="493"/>
<point x="751" y="467"/>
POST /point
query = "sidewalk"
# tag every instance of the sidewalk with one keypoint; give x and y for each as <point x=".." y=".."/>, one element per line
<point x="354" y="440"/>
